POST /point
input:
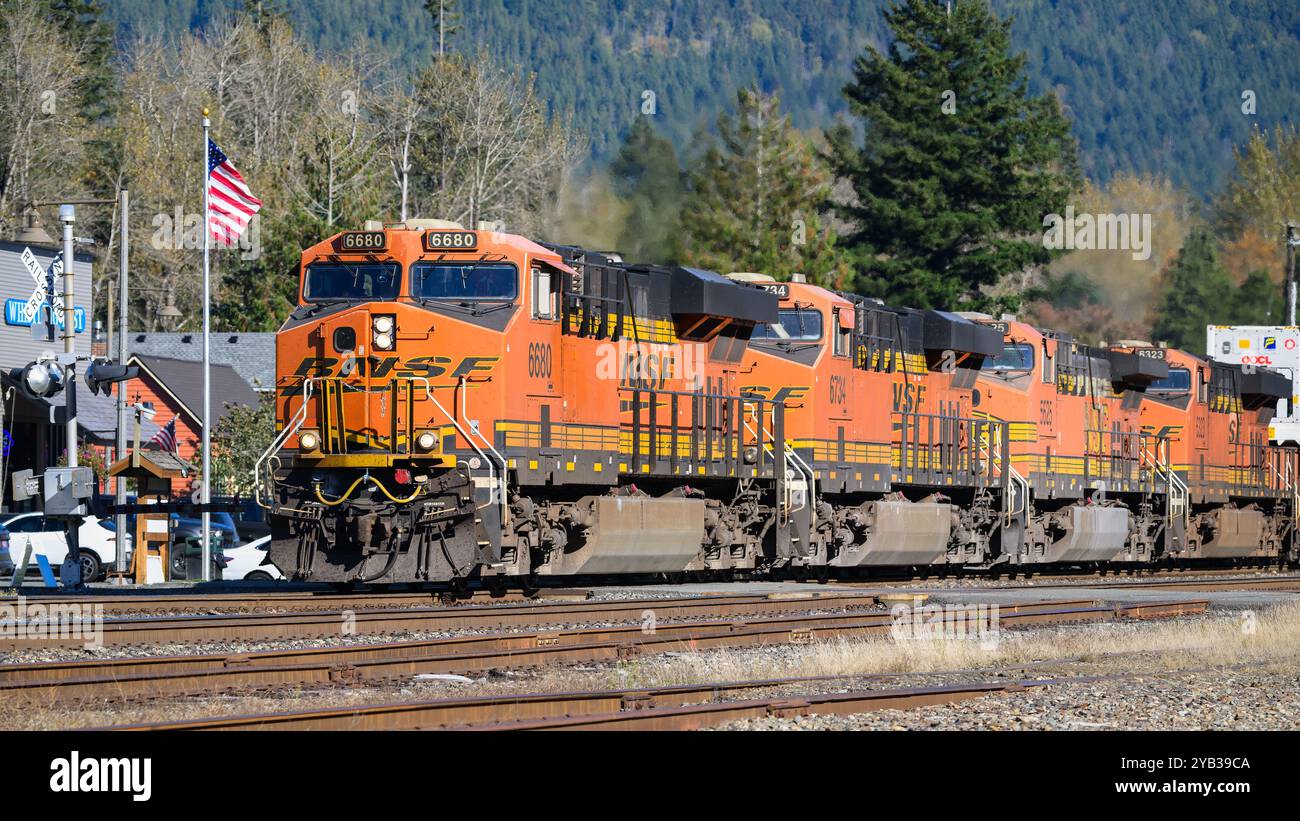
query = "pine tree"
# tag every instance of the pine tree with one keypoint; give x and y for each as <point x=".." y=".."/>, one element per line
<point x="263" y="14"/>
<point x="1196" y="292"/>
<point x="958" y="164"/>
<point x="755" y="197"/>
<point x="446" y="20"/>
<point x="647" y="177"/>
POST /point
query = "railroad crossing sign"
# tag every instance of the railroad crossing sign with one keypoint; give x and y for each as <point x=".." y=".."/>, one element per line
<point x="40" y="295"/>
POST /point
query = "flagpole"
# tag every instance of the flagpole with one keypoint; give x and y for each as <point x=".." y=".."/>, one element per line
<point x="207" y="382"/>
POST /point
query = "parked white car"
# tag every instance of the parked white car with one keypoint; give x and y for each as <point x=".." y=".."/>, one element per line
<point x="250" y="561"/>
<point x="97" y="542"/>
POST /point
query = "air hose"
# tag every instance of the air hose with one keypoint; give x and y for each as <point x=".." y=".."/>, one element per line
<point x="367" y="477"/>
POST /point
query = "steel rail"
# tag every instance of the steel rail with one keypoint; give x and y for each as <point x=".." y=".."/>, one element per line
<point x="117" y="604"/>
<point x="451" y="713"/>
<point x="154" y="677"/>
<point x="333" y="623"/>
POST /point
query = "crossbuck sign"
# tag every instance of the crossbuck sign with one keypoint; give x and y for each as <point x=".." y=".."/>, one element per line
<point x="40" y="295"/>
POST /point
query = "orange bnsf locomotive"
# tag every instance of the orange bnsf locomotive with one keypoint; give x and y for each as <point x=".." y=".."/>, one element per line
<point x="457" y="404"/>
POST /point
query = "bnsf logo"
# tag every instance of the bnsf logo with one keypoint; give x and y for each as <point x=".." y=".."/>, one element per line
<point x="377" y="367"/>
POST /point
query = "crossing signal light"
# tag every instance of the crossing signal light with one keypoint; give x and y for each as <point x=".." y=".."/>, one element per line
<point x="100" y="376"/>
<point x="39" y="379"/>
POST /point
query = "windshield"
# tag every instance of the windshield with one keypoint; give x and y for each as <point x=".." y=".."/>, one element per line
<point x="326" y="281"/>
<point x="1015" y="356"/>
<point x="800" y="324"/>
<point x="464" y="281"/>
<point x="1178" y="380"/>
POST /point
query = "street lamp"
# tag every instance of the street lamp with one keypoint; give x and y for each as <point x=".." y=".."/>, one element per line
<point x="32" y="233"/>
<point x="168" y="311"/>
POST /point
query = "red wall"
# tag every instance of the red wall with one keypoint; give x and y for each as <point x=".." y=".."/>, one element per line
<point x="188" y="435"/>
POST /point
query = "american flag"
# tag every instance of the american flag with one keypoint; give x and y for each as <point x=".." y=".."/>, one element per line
<point x="166" y="437"/>
<point x="230" y="204"/>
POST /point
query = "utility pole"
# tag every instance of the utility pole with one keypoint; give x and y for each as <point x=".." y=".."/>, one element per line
<point x="71" y="569"/>
<point x="1291" y="242"/>
<point x="119" y="489"/>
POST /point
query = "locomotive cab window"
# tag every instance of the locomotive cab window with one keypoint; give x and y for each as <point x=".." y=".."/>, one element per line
<point x="464" y="281"/>
<point x="1179" y="380"/>
<point x="344" y="281"/>
<point x="843" y="335"/>
<point x="1016" y="358"/>
<point x="792" y="325"/>
<point x="1048" y="374"/>
<point x="543" y="299"/>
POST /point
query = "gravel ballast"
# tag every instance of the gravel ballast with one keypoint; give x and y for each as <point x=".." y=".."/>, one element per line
<point x="1204" y="700"/>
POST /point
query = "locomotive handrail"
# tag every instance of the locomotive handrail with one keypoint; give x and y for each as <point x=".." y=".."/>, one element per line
<point x="464" y="410"/>
<point x="790" y="453"/>
<point x="1177" y="506"/>
<point x="1118" y="463"/>
<point x="943" y="440"/>
<point x="277" y="443"/>
<point x="995" y="447"/>
<point x="262" y="483"/>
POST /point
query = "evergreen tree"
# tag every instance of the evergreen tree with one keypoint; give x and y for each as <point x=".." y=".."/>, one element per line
<point x="958" y="165"/>
<point x="647" y="177"/>
<point x="1259" y="301"/>
<point x="84" y="24"/>
<point x="446" y="21"/>
<point x="755" y="197"/>
<point x="263" y="14"/>
<point x="1196" y="292"/>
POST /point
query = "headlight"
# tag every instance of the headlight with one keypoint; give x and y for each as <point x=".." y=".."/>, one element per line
<point x="308" y="440"/>
<point x="383" y="327"/>
<point x="426" y="440"/>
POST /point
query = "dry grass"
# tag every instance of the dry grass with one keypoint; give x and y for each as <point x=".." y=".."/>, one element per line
<point x="1177" y="644"/>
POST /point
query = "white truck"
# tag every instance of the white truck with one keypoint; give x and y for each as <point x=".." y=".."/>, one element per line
<point x="1276" y="347"/>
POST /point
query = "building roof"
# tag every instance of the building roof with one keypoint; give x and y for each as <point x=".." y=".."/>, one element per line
<point x="157" y="463"/>
<point x="183" y="381"/>
<point x="252" y="355"/>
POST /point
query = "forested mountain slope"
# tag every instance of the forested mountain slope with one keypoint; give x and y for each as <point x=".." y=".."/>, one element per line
<point x="1150" y="85"/>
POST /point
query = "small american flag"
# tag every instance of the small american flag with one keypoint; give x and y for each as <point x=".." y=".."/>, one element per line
<point x="166" y="437"/>
<point x="230" y="204"/>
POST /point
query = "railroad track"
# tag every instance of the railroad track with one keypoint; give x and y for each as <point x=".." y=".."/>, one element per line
<point x="151" y="677"/>
<point x="1288" y="583"/>
<point x="521" y="711"/>
<point x="147" y="602"/>
<point x="683" y="707"/>
<point x="1047" y="582"/>
<point x="144" y="603"/>
<point x="333" y="623"/>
